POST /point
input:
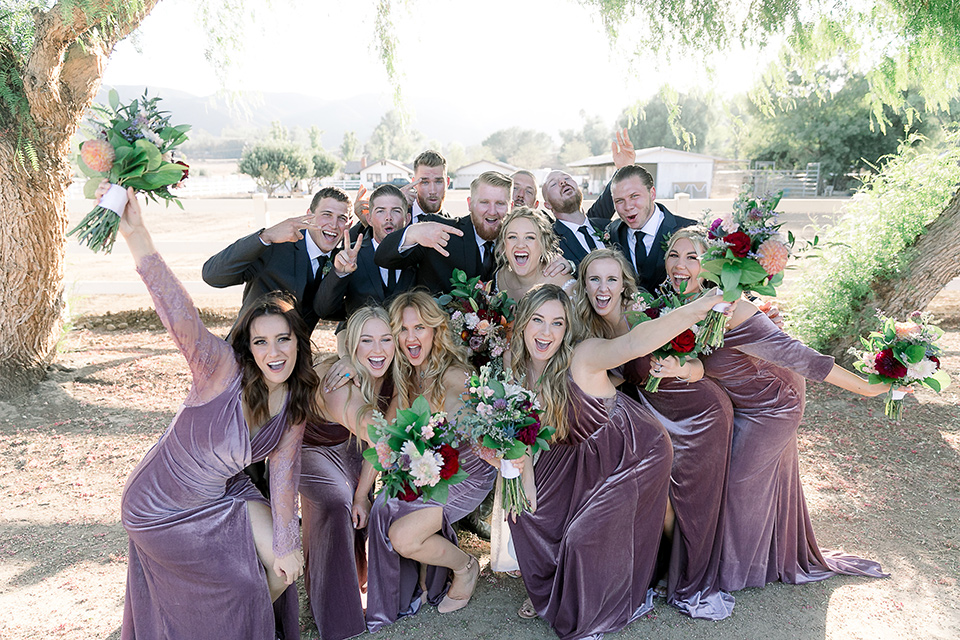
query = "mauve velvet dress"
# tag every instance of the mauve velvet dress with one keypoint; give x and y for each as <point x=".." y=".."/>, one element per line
<point x="767" y="534"/>
<point x="335" y="552"/>
<point x="393" y="588"/>
<point x="588" y="553"/>
<point x="699" y="418"/>
<point x="193" y="569"/>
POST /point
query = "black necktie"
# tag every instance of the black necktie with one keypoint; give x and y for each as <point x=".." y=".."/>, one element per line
<point x="586" y="236"/>
<point x="640" y="252"/>
<point x="391" y="280"/>
<point x="487" y="260"/>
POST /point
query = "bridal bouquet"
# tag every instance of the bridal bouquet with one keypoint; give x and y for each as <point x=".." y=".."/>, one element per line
<point x="684" y="347"/>
<point x="902" y="354"/>
<point x="480" y="317"/>
<point x="133" y="146"/>
<point x="504" y="418"/>
<point x="745" y="252"/>
<point x="415" y="454"/>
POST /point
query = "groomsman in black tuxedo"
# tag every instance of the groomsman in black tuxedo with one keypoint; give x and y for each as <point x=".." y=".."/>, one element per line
<point x="429" y="186"/>
<point x="355" y="279"/>
<point x="283" y="257"/>
<point x="525" y="189"/>
<point x="644" y="225"/>
<point x="437" y="245"/>
<point x="579" y="234"/>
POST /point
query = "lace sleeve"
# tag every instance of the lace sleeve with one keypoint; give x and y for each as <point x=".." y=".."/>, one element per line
<point x="210" y="359"/>
<point x="284" y="484"/>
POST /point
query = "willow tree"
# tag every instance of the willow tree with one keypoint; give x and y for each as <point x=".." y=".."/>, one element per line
<point x="51" y="63"/>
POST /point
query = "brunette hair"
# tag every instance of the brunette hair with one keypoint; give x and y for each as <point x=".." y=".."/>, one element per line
<point x="633" y="171"/>
<point x="430" y="158"/>
<point x="336" y="193"/>
<point x="593" y="324"/>
<point x="303" y="381"/>
<point x="446" y="351"/>
<point x="552" y="386"/>
<point x="548" y="240"/>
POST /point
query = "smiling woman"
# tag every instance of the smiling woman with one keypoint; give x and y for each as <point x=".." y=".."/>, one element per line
<point x="196" y="523"/>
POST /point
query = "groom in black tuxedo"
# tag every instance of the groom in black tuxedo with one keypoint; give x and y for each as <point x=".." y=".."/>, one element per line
<point x="644" y="225"/>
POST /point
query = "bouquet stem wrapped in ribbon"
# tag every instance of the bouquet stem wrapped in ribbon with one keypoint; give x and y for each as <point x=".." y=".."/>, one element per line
<point x="133" y="146"/>
<point x="745" y="253"/>
<point x="505" y="418"/>
<point x="415" y="454"/>
<point x="902" y="354"/>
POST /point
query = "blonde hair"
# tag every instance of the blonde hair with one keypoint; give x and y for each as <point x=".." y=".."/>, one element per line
<point x="445" y="353"/>
<point x="552" y="386"/>
<point x="695" y="234"/>
<point x="493" y="179"/>
<point x="593" y="324"/>
<point x="546" y="238"/>
<point x="353" y="331"/>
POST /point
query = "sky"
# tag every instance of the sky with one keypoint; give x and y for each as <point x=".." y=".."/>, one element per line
<point x="532" y="63"/>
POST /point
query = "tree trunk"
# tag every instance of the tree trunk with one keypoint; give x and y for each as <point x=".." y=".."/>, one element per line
<point x="934" y="262"/>
<point x="60" y="79"/>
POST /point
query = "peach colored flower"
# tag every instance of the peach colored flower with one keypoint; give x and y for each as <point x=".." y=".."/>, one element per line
<point x="772" y="256"/>
<point x="907" y="330"/>
<point x="98" y="155"/>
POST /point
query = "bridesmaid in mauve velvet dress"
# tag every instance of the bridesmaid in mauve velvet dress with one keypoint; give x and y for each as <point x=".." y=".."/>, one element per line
<point x="767" y="533"/>
<point x="698" y="416"/>
<point x="587" y="553"/>
<point x="403" y="536"/>
<point x="335" y="496"/>
<point x="195" y="521"/>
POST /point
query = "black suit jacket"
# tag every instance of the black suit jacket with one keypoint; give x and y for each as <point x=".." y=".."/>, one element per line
<point x="603" y="207"/>
<point x="284" y="266"/>
<point x="656" y="273"/>
<point x="434" y="270"/>
<point x="337" y="298"/>
<point x="570" y="244"/>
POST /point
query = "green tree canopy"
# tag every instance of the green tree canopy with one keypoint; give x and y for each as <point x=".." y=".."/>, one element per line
<point x="275" y="164"/>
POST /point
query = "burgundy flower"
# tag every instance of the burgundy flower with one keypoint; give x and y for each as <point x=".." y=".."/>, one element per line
<point x="451" y="461"/>
<point x="685" y="342"/>
<point x="935" y="360"/>
<point x="652" y="312"/>
<point x="528" y="435"/>
<point x="739" y="243"/>
<point x="407" y="493"/>
<point x="186" y="170"/>
<point x="712" y="234"/>
<point x="888" y="366"/>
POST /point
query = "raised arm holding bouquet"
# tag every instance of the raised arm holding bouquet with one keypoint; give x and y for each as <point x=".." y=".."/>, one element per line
<point x="745" y="252"/>
<point x="133" y="146"/>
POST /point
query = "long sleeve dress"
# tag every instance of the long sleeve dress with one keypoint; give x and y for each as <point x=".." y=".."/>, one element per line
<point x="699" y="418"/>
<point x="587" y="554"/>
<point x="767" y="533"/>
<point x="335" y="552"/>
<point x="193" y="568"/>
<point x="393" y="588"/>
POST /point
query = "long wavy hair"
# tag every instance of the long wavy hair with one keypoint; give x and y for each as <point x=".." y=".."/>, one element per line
<point x="593" y="324"/>
<point x="303" y="381"/>
<point x="698" y="236"/>
<point x="446" y="351"/>
<point x="552" y="386"/>
<point x="546" y="237"/>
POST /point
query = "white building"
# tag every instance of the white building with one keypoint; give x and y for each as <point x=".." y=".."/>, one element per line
<point x="673" y="171"/>
<point x="469" y="172"/>
<point x="384" y="171"/>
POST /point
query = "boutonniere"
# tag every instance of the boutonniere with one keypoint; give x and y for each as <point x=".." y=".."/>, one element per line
<point x="327" y="267"/>
<point x="603" y="233"/>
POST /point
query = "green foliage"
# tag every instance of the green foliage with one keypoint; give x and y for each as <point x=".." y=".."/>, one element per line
<point x="872" y="241"/>
<point x="349" y="146"/>
<point x="657" y="123"/>
<point x="521" y="147"/>
<point x="275" y="164"/>
<point x="324" y="165"/>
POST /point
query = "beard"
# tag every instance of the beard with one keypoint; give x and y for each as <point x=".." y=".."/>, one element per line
<point x="430" y="207"/>
<point x="570" y="204"/>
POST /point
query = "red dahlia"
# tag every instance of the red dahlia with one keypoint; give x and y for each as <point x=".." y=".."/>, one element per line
<point x="451" y="461"/>
<point x="888" y="366"/>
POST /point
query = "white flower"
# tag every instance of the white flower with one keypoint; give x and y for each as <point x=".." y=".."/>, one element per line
<point x="426" y="432"/>
<point x="923" y="369"/>
<point x="728" y="223"/>
<point x="426" y="469"/>
<point x="471" y="320"/>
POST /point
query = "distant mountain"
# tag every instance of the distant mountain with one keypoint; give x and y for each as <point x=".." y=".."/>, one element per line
<point x="441" y="121"/>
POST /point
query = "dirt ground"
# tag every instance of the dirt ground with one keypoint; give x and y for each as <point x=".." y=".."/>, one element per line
<point x="881" y="489"/>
